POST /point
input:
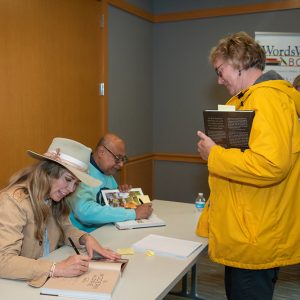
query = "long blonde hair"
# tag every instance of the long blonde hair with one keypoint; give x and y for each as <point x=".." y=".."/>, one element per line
<point x="36" y="181"/>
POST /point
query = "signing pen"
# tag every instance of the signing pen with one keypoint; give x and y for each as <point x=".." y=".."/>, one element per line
<point x="73" y="245"/>
<point x="43" y="294"/>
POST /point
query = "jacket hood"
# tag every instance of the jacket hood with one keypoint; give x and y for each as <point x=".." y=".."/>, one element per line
<point x="271" y="79"/>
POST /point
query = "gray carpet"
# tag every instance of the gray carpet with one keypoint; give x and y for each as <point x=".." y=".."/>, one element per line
<point x="211" y="284"/>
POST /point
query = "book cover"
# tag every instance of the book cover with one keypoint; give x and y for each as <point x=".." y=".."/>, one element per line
<point x="131" y="200"/>
<point x="163" y="245"/>
<point x="152" y="221"/>
<point x="229" y="129"/>
<point x="98" y="283"/>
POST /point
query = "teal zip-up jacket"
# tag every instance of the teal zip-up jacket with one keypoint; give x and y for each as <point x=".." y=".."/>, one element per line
<point x="88" y="213"/>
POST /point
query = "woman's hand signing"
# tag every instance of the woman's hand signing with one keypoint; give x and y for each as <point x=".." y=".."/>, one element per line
<point x="74" y="265"/>
<point x="92" y="245"/>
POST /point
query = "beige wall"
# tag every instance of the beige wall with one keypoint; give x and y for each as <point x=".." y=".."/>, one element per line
<point x="49" y="75"/>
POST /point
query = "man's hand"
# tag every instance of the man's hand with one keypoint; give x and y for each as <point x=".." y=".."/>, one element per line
<point x="124" y="188"/>
<point x="143" y="211"/>
<point x="204" y="145"/>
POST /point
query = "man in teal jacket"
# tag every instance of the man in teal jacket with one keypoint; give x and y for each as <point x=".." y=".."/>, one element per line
<point x="88" y="210"/>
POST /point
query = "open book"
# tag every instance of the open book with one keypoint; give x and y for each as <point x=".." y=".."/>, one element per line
<point x="131" y="199"/>
<point x="98" y="283"/>
<point x="230" y="129"/>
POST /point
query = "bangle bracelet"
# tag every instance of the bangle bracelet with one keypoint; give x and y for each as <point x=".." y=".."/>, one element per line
<point x="51" y="273"/>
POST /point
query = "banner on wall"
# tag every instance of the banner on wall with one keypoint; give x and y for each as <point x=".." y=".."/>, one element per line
<point x="282" y="52"/>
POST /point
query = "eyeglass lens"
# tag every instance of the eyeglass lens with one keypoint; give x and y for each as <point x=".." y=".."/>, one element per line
<point x="118" y="158"/>
<point x="218" y="72"/>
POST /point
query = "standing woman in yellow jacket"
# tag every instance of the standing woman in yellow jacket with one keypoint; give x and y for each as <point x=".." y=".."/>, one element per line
<point x="252" y="218"/>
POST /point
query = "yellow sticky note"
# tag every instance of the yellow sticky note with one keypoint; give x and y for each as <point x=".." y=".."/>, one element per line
<point x="150" y="253"/>
<point x="125" y="251"/>
<point x="144" y="198"/>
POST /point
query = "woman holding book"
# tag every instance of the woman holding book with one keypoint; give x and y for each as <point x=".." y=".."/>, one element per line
<point x="251" y="218"/>
<point x="34" y="218"/>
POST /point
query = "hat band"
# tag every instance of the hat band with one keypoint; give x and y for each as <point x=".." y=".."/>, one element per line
<point x="67" y="159"/>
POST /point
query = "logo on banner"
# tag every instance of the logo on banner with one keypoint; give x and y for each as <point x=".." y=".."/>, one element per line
<point x="288" y="57"/>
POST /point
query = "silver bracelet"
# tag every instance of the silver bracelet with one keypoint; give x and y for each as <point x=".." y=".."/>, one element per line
<point x="51" y="273"/>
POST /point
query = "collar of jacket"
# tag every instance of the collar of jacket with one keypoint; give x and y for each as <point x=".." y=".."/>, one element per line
<point x="240" y="99"/>
<point x="92" y="161"/>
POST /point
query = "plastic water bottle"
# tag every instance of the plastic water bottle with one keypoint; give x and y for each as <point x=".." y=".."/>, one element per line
<point x="200" y="202"/>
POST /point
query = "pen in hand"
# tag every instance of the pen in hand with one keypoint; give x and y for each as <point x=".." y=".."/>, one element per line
<point x="73" y="245"/>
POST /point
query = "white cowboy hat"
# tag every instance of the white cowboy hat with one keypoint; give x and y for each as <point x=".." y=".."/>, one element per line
<point x="72" y="155"/>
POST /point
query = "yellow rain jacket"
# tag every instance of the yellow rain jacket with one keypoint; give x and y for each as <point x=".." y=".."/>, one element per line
<point x="252" y="218"/>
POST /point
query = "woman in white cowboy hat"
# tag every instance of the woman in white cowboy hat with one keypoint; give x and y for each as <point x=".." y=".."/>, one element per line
<point x="34" y="218"/>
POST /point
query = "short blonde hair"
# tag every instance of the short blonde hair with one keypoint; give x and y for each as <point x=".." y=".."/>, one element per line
<point x="241" y="50"/>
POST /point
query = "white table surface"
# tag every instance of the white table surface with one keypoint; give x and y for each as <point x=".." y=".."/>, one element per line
<point x="145" y="277"/>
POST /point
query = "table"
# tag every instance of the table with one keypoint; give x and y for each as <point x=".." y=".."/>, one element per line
<point x="145" y="277"/>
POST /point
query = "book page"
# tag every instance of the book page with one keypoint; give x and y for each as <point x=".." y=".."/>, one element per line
<point x="116" y="198"/>
<point x="97" y="283"/>
<point x="223" y="107"/>
<point x="144" y="199"/>
<point x="93" y="281"/>
<point x="107" y="264"/>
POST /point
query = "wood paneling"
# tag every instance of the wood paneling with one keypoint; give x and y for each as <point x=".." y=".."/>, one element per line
<point x="131" y="9"/>
<point x="139" y="173"/>
<point x="228" y="11"/>
<point x="49" y="74"/>
<point x="139" y="170"/>
<point x="103" y="66"/>
<point x="207" y="13"/>
<point x="187" y="158"/>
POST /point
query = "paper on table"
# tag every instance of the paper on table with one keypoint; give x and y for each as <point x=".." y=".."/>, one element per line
<point x="162" y="245"/>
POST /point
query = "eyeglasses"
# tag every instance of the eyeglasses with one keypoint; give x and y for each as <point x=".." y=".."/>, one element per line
<point x="219" y="73"/>
<point x="118" y="158"/>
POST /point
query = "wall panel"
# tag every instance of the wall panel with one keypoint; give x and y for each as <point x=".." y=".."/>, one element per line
<point x="139" y="173"/>
<point x="49" y="74"/>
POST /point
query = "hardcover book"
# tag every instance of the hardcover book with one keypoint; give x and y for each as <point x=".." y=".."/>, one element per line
<point x="131" y="200"/>
<point x="97" y="283"/>
<point x="229" y="129"/>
